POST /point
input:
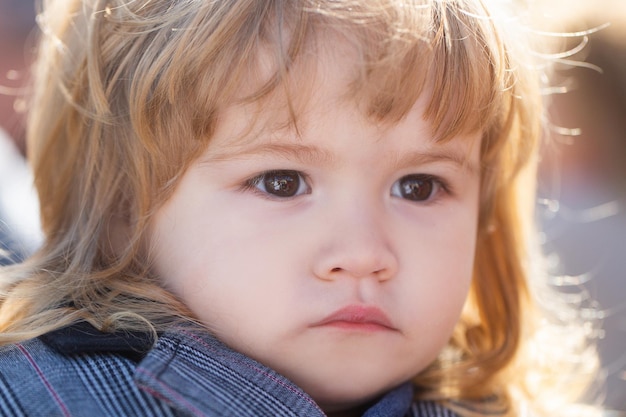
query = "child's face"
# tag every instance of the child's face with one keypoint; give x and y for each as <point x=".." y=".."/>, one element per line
<point x="341" y="258"/>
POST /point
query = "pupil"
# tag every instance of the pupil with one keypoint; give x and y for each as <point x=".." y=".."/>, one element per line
<point x="282" y="184"/>
<point x="417" y="189"/>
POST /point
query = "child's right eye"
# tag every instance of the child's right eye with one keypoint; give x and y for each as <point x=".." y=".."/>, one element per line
<point x="279" y="183"/>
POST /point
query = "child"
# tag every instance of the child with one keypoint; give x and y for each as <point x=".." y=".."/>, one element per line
<point x="284" y="208"/>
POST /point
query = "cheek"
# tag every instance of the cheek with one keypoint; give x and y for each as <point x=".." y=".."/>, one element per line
<point x="231" y="270"/>
<point x="430" y="317"/>
<point x="437" y="299"/>
<point x="438" y="275"/>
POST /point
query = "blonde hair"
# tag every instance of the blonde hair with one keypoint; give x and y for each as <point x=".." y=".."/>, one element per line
<point x="127" y="93"/>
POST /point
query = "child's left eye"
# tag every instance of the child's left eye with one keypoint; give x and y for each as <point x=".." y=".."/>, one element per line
<point x="279" y="183"/>
<point x="417" y="187"/>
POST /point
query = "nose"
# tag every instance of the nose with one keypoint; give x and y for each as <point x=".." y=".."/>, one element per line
<point x="356" y="245"/>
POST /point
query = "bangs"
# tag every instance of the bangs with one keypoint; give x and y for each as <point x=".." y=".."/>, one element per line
<point x="187" y="65"/>
<point x="446" y="49"/>
<point x="405" y="49"/>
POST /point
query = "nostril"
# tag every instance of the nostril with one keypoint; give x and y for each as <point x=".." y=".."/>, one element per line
<point x="335" y="270"/>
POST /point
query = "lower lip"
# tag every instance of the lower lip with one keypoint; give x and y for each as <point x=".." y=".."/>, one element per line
<point x="356" y="326"/>
<point x="357" y="319"/>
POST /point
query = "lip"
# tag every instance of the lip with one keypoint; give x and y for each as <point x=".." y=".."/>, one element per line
<point x="357" y="317"/>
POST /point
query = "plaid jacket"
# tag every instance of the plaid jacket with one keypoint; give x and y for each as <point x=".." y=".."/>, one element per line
<point x="79" y="372"/>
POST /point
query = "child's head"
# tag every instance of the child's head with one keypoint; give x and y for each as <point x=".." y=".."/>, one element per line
<point x="272" y="163"/>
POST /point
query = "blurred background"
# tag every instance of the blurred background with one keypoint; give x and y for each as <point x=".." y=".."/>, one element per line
<point x="582" y="205"/>
<point x="19" y="222"/>
<point x="582" y="185"/>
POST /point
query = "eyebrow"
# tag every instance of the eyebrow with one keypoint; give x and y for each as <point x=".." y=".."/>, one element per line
<point x="313" y="155"/>
<point x="305" y="154"/>
<point x="418" y="158"/>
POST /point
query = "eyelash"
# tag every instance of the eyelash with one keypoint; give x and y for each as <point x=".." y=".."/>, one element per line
<point x="294" y="183"/>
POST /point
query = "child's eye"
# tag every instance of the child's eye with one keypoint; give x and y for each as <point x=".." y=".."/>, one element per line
<point x="416" y="187"/>
<point x="280" y="183"/>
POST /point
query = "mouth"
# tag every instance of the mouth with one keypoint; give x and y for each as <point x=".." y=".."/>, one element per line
<point x="357" y="318"/>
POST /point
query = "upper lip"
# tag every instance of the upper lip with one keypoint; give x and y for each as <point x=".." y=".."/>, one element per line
<point x="358" y="314"/>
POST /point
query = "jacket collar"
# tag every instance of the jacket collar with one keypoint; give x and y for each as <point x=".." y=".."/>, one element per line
<point x="194" y="372"/>
<point x="82" y="337"/>
<point x="197" y="373"/>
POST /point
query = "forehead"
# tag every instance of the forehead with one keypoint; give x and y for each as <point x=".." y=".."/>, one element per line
<point x="319" y="82"/>
<point x="325" y="74"/>
<point x="314" y="98"/>
<point x="329" y="128"/>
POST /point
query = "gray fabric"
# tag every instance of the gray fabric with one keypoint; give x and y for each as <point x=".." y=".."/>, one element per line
<point x="185" y="374"/>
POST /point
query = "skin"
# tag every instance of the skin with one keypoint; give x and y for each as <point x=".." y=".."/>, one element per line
<point x="264" y="272"/>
